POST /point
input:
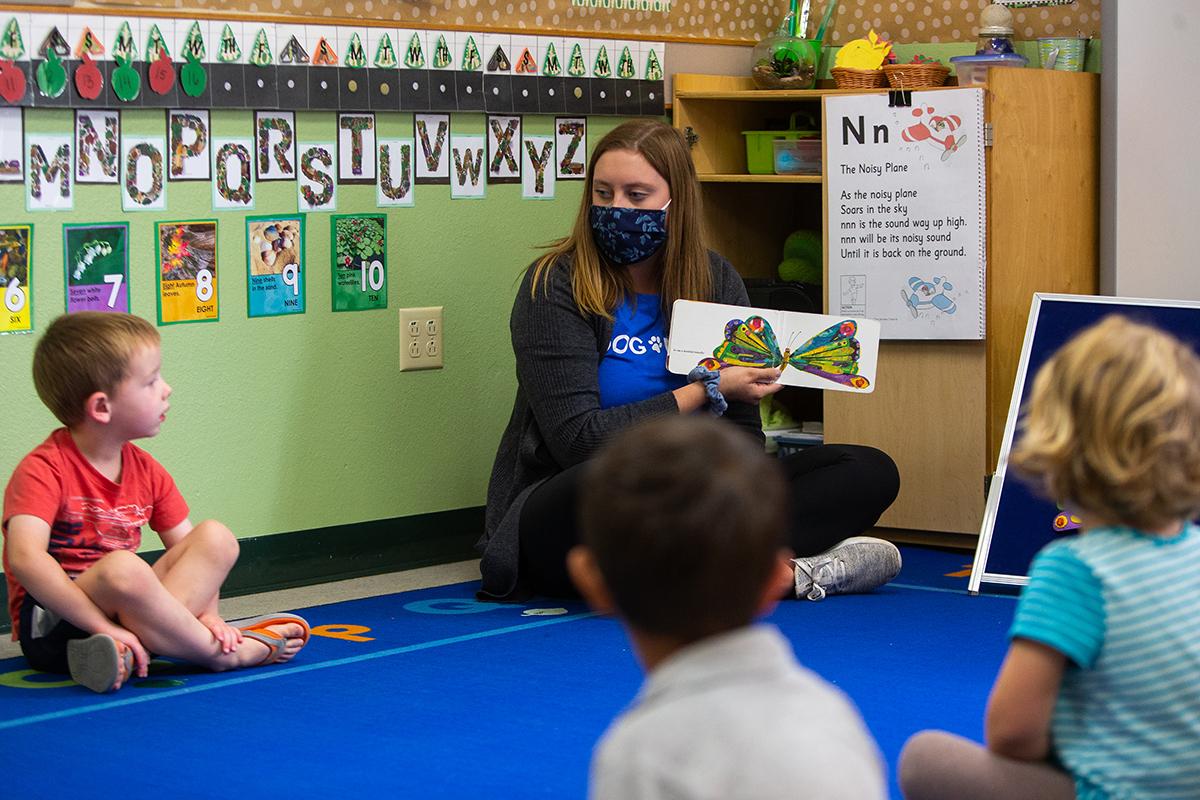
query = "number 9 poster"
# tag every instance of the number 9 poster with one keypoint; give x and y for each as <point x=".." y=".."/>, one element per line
<point x="187" y="272"/>
<point x="359" y="262"/>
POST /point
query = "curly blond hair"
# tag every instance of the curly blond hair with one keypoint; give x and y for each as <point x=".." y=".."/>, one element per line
<point x="1113" y="426"/>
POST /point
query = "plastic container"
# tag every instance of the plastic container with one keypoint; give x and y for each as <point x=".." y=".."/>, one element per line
<point x="760" y="151"/>
<point x="972" y="70"/>
<point x="797" y="156"/>
<point x="1063" y="53"/>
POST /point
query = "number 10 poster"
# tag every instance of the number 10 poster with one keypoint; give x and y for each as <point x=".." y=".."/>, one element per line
<point x="187" y="272"/>
<point x="359" y="262"/>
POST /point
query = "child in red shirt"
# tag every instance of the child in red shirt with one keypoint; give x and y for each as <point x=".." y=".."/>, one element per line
<point x="80" y="598"/>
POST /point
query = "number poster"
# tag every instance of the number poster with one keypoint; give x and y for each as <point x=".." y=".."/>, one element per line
<point x="359" y="262"/>
<point x="275" y="274"/>
<point x="16" y="242"/>
<point x="187" y="271"/>
<point x="96" y="262"/>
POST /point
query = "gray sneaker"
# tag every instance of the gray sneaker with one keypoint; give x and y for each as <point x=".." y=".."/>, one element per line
<point x="857" y="564"/>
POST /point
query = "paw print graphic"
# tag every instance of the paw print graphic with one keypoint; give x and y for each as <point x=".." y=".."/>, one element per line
<point x="656" y="344"/>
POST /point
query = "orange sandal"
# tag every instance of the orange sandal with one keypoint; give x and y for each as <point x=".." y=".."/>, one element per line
<point x="256" y="628"/>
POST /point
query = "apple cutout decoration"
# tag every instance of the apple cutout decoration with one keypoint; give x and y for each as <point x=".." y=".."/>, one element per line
<point x="89" y="81"/>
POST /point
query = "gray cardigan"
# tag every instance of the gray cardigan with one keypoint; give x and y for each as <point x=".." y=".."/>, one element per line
<point x="557" y="420"/>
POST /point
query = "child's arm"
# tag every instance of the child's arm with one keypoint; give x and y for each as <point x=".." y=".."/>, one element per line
<point x="28" y="542"/>
<point x="1022" y="701"/>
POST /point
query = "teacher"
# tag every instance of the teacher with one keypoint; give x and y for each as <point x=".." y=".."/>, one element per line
<point x="589" y="330"/>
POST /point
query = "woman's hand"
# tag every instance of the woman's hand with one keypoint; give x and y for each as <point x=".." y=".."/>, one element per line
<point x="748" y="384"/>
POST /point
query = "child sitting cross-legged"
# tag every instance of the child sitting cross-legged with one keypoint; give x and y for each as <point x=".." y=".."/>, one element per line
<point x="1098" y="696"/>
<point x="683" y="522"/>
<point x="81" y="599"/>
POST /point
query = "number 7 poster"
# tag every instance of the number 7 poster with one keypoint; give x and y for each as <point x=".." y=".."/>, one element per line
<point x="187" y="272"/>
<point x="359" y="262"/>
<point x="96" y="261"/>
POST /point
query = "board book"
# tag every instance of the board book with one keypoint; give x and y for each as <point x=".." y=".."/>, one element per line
<point x="818" y="351"/>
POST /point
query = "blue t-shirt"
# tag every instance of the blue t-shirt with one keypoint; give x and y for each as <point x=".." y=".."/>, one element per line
<point x="634" y="367"/>
<point x="1125" y="609"/>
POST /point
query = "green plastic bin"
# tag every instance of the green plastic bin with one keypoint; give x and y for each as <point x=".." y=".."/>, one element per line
<point x="760" y="150"/>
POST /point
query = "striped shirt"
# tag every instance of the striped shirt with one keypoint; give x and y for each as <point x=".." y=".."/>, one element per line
<point x="1124" y="608"/>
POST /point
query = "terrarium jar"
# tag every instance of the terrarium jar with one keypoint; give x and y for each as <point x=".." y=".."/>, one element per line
<point x="781" y="61"/>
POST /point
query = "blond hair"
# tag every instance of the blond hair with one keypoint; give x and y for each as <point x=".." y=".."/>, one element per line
<point x="1113" y="426"/>
<point x="83" y="353"/>
<point x="599" y="287"/>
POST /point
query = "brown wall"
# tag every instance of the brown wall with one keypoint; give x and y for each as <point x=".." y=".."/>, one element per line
<point x="723" y="20"/>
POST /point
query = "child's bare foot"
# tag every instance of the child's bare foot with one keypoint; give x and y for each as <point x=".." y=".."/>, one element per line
<point x="99" y="662"/>
<point x="282" y="636"/>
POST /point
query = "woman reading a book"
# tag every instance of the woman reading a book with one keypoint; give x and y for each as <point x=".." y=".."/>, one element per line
<point x="589" y="329"/>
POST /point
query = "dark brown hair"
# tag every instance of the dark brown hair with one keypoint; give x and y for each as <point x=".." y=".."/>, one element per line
<point x="685" y="518"/>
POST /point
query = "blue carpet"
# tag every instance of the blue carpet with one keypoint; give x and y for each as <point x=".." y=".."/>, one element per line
<point x="430" y="694"/>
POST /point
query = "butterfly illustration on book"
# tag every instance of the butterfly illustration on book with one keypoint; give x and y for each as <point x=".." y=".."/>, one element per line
<point x="831" y="354"/>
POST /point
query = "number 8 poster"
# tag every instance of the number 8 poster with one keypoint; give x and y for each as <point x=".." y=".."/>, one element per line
<point x="187" y="272"/>
<point x="359" y="262"/>
<point x="96" y="260"/>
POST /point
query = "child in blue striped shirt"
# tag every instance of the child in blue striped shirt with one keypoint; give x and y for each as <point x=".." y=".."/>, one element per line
<point x="1099" y="695"/>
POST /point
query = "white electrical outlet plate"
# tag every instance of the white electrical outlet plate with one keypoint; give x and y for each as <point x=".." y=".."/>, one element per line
<point x="421" y="338"/>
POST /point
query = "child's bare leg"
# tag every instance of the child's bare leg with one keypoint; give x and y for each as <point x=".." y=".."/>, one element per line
<point x="195" y="569"/>
<point x="936" y="765"/>
<point x="127" y="589"/>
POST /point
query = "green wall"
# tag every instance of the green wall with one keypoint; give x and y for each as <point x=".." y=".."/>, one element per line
<point x="283" y="424"/>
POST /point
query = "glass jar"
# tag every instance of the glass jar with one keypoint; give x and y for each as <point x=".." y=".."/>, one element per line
<point x="781" y="61"/>
<point x="994" y="43"/>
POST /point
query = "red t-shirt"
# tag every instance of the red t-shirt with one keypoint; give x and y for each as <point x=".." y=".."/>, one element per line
<point x="89" y="515"/>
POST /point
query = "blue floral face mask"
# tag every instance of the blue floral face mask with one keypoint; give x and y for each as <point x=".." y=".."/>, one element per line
<point x="628" y="235"/>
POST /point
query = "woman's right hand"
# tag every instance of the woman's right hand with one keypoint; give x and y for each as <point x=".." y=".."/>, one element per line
<point x="749" y="384"/>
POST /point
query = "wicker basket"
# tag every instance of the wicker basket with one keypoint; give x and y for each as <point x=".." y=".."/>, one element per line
<point x="850" y="78"/>
<point x="915" y="76"/>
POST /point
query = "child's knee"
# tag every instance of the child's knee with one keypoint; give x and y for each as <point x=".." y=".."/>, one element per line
<point x="123" y="572"/>
<point x="218" y="539"/>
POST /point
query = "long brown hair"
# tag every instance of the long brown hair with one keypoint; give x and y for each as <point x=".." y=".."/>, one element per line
<point x="598" y="286"/>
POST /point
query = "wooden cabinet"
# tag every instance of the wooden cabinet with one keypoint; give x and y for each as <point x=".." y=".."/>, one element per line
<point x="940" y="406"/>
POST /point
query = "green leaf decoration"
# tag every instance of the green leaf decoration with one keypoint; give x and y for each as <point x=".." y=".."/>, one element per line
<point x="577" y="67"/>
<point x="194" y="43"/>
<point x="385" y="54"/>
<point x="260" y="51"/>
<point x="441" y="54"/>
<point x="654" y="71"/>
<point x="414" y="57"/>
<point x="603" y="69"/>
<point x="12" y="46"/>
<point x="124" y="48"/>
<point x="472" y="61"/>
<point x="155" y="43"/>
<point x="229" y="51"/>
<point x="625" y="68"/>
<point x="355" y="57"/>
<point x="551" y="65"/>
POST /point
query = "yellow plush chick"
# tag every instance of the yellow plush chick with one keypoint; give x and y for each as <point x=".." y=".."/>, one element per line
<point x="869" y="53"/>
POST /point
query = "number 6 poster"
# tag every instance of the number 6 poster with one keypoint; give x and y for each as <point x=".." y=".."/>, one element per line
<point x="96" y="260"/>
<point x="187" y="271"/>
<point x="16" y="242"/>
<point x="359" y="262"/>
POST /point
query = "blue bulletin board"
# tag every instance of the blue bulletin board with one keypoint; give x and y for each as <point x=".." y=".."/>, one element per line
<point x="1017" y="523"/>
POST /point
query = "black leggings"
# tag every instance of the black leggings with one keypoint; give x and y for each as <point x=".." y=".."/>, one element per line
<point x="838" y="491"/>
